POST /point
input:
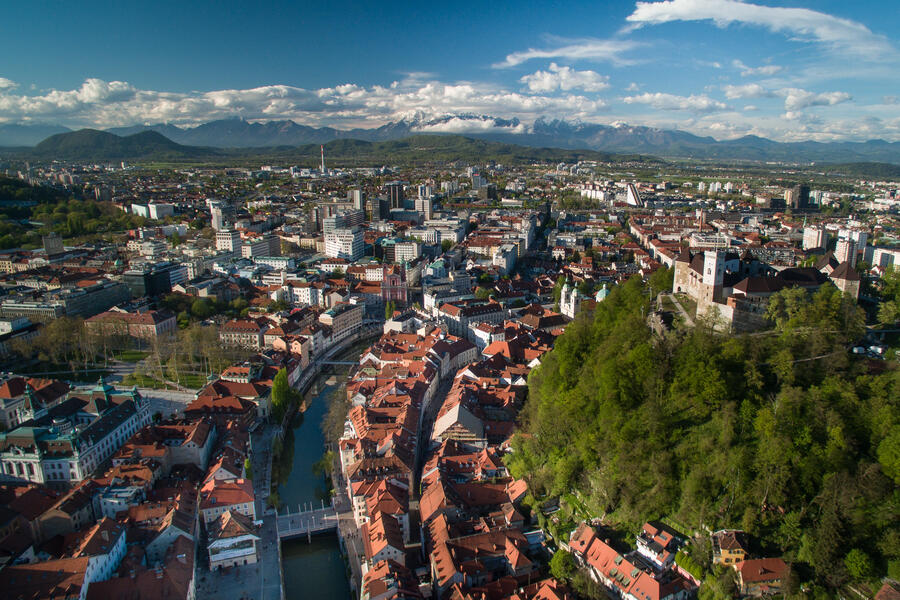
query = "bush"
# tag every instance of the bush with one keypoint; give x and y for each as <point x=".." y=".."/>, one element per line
<point x="684" y="560"/>
<point x="562" y="565"/>
<point x="858" y="564"/>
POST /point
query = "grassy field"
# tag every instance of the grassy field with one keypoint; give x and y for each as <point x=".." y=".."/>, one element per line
<point x="131" y="356"/>
<point x="148" y="381"/>
<point x="143" y="381"/>
<point x="689" y="305"/>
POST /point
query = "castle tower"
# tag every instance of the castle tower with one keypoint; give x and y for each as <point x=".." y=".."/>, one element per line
<point x="713" y="276"/>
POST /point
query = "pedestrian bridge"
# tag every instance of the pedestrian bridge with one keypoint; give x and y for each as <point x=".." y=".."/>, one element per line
<point x="348" y="363"/>
<point x="306" y="522"/>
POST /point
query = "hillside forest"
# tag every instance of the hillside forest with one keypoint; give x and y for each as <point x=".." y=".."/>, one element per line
<point x="786" y="434"/>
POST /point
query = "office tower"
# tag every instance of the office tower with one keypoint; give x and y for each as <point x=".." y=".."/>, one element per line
<point x="228" y="240"/>
<point x="345" y="243"/>
<point x="425" y="205"/>
<point x="358" y="198"/>
<point x="797" y="197"/>
<point x="394" y="192"/>
<point x="221" y="214"/>
<point x="343" y="220"/>
<point x="383" y="206"/>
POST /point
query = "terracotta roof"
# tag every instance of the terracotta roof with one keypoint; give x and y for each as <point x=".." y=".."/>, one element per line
<point x="231" y="524"/>
<point x="48" y="580"/>
<point x="216" y="492"/>
<point x="759" y="570"/>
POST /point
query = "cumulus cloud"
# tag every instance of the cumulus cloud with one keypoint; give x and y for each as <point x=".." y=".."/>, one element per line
<point x="794" y="98"/>
<point x="663" y="101"/>
<point x="751" y="71"/>
<point x="801" y="24"/>
<point x="750" y="90"/>
<point x="612" y="51"/>
<point x="7" y="84"/>
<point x="97" y="103"/>
<point x="456" y="124"/>
<point x="797" y="99"/>
<point x="565" y="78"/>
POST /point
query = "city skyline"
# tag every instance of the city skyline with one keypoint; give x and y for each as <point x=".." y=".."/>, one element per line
<point x="822" y="71"/>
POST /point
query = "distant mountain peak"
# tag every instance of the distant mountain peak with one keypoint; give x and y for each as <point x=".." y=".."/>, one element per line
<point x="618" y="136"/>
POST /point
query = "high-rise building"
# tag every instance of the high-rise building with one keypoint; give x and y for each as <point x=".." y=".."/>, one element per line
<point x="343" y="220"/>
<point x="345" y="243"/>
<point x="425" y="205"/>
<point x="221" y="214"/>
<point x="797" y="197"/>
<point x="632" y="196"/>
<point x="845" y="251"/>
<point x="394" y="192"/>
<point x="814" y="237"/>
<point x="358" y="198"/>
<point x="381" y="207"/>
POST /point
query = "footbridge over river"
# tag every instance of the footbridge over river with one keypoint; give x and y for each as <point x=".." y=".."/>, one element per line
<point x="306" y="522"/>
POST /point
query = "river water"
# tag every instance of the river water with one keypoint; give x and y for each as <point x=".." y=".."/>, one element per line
<point x="311" y="570"/>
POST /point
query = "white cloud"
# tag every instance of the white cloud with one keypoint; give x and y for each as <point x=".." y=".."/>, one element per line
<point x="794" y="98"/>
<point x="800" y="24"/>
<point x="750" y="108"/>
<point x="663" y="101"/>
<point x="460" y="125"/>
<point x="565" y="78"/>
<point x="582" y="49"/>
<point x="7" y="84"/>
<point x="97" y="103"/>
<point x="749" y="90"/>
<point x="750" y="71"/>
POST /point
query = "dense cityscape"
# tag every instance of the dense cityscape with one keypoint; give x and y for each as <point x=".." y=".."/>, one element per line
<point x="166" y="328"/>
<point x="431" y="301"/>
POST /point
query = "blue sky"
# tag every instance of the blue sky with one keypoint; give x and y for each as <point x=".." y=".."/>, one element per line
<point x="822" y="70"/>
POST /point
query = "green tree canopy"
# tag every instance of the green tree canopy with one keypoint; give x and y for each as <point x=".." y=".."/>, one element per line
<point x="786" y="435"/>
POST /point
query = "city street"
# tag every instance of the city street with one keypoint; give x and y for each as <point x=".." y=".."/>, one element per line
<point x="349" y="532"/>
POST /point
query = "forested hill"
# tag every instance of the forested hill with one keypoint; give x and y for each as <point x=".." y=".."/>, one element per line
<point x="90" y="144"/>
<point x="725" y="431"/>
